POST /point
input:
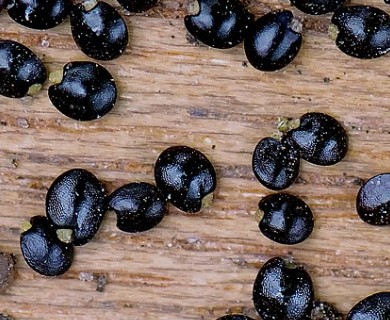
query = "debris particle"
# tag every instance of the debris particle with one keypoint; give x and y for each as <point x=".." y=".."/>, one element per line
<point x="327" y="80"/>
<point x="22" y="122"/>
<point x="86" y="276"/>
<point x="5" y="316"/>
<point x="14" y="162"/>
<point x="245" y="64"/>
<point x="7" y="270"/>
<point x="101" y="281"/>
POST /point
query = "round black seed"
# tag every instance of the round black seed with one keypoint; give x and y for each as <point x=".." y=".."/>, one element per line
<point x="87" y="91"/>
<point x="275" y="163"/>
<point x="283" y="291"/>
<point x="185" y="177"/>
<point x="373" y="200"/>
<point x="286" y="218"/>
<point x="20" y="69"/>
<point x="273" y="41"/>
<point x="235" y="317"/>
<point x="324" y="311"/>
<point x="100" y="32"/>
<point x="316" y="7"/>
<point x="219" y="24"/>
<point x="76" y="201"/>
<point x="138" y="206"/>
<point x="363" y="31"/>
<point x="320" y="138"/>
<point x="39" y="14"/>
<point x="42" y="249"/>
<point x="137" y="5"/>
<point x="374" y="307"/>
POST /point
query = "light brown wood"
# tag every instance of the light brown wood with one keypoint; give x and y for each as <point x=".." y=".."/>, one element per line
<point x="172" y="92"/>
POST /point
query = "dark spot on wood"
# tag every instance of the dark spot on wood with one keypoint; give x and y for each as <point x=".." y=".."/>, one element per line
<point x="326" y="80"/>
<point x="101" y="281"/>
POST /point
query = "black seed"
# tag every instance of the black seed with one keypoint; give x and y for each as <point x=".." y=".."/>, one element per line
<point x="324" y="311"/>
<point x="42" y="249"/>
<point x="7" y="270"/>
<point x="374" y="307"/>
<point x="20" y="69"/>
<point x="100" y="32"/>
<point x="363" y="31"/>
<point x="138" y="206"/>
<point x="39" y="14"/>
<point x="5" y="316"/>
<point x="287" y="219"/>
<point x="76" y="201"/>
<point x="235" y="317"/>
<point x="87" y="91"/>
<point x="185" y="177"/>
<point x="283" y="291"/>
<point x="316" y="7"/>
<point x="219" y="24"/>
<point x="373" y="200"/>
<point x="137" y="5"/>
<point x="275" y="163"/>
<point x="273" y="41"/>
<point x="320" y="138"/>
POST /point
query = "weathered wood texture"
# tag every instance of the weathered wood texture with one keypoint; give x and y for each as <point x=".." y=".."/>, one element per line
<point x="173" y="92"/>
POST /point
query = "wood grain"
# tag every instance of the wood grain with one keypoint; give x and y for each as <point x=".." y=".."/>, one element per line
<point x="174" y="92"/>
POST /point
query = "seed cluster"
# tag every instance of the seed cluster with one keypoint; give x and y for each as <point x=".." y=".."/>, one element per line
<point x="76" y="203"/>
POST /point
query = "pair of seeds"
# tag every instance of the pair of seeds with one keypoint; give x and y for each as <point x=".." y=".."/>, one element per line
<point x="317" y="138"/>
<point x="83" y="91"/>
<point x="76" y="203"/>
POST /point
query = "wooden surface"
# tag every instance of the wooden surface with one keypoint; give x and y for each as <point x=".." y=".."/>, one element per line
<point x="174" y="92"/>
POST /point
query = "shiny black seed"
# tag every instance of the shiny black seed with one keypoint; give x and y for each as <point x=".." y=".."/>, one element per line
<point x="273" y="41"/>
<point x="219" y="24"/>
<point x="363" y="31"/>
<point x="324" y="311"/>
<point x="87" y="91"/>
<point x="100" y="32"/>
<point x="137" y="5"/>
<point x="316" y="7"/>
<point x="235" y="317"/>
<point x="138" y="206"/>
<point x="76" y="201"/>
<point x="185" y="177"/>
<point x="20" y="69"/>
<point x="283" y="291"/>
<point x="374" y="307"/>
<point x="320" y="138"/>
<point x="275" y="163"/>
<point x="373" y="200"/>
<point x="39" y="14"/>
<point x="286" y="218"/>
<point x="42" y="249"/>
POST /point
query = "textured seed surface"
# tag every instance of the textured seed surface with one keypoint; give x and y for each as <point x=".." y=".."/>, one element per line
<point x="137" y="5"/>
<point x="235" y="317"/>
<point x="100" y="33"/>
<point x="324" y="311"/>
<point x="320" y="138"/>
<point x="87" y="91"/>
<point x="219" y="24"/>
<point x="374" y="307"/>
<point x="43" y="251"/>
<point x="283" y="291"/>
<point x="316" y="7"/>
<point x="20" y="69"/>
<point x="184" y="176"/>
<point x="275" y="163"/>
<point x="7" y="270"/>
<point x="5" y="316"/>
<point x="286" y="218"/>
<point x="76" y="200"/>
<point x="273" y="41"/>
<point x="364" y="31"/>
<point x="373" y="200"/>
<point x="138" y="206"/>
<point x="39" y="14"/>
